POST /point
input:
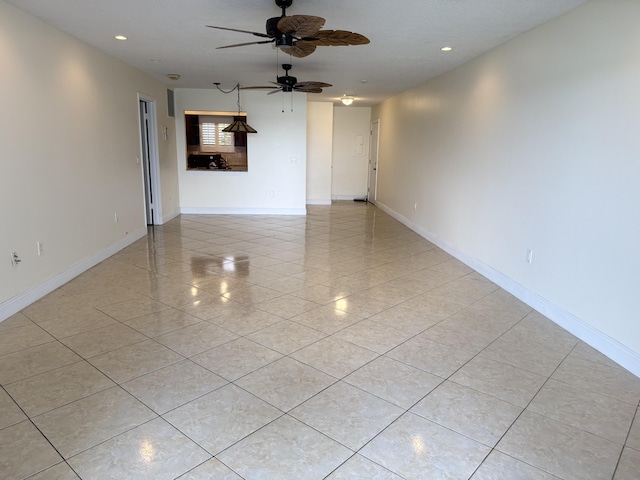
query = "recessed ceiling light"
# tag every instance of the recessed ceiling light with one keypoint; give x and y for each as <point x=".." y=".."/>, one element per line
<point x="120" y="37"/>
<point x="364" y="81"/>
<point x="446" y="49"/>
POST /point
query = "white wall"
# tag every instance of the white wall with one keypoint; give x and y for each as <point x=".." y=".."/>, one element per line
<point x="534" y="145"/>
<point x="350" y="164"/>
<point x="276" y="180"/>
<point x="319" y="152"/>
<point x="69" y="138"/>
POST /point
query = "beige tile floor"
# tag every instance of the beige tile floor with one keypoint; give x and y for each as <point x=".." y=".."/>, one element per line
<point x="338" y="345"/>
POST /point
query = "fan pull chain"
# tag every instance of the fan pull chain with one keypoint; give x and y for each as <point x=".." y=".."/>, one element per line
<point x="291" y="62"/>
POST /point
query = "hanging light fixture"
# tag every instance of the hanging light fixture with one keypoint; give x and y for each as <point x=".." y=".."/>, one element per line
<point x="239" y="125"/>
<point x="346" y="100"/>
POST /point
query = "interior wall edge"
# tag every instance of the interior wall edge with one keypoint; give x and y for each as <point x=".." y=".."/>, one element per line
<point x="169" y="216"/>
<point x="619" y="353"/>
<point x="27" y="297"/>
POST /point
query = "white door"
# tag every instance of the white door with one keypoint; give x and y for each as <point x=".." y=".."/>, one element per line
<point x="373" y="162"/>
<point x="150" y="162"/>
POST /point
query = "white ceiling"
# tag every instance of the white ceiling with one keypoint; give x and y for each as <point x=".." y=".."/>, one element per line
<point x="169" y="36"/>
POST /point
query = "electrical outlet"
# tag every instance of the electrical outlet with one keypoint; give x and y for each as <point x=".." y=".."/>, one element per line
<point x="272" y="194"/>
<point x="415" y="205"/>
<point x="529" y="255"/>
<point x="40" y="249"/>
<point x="115" y="217"/>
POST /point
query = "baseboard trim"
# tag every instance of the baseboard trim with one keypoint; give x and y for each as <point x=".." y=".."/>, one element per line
<point x="24" y="299"/>
<point x="318" y="202"/>
<point x="347" y="197"/>
<point x="243" y="211"/>
<point x="608" y="346"/>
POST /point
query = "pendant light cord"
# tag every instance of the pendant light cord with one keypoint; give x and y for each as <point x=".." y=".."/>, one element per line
<point x="228" y="91"/>
<point x="237" y="87"/>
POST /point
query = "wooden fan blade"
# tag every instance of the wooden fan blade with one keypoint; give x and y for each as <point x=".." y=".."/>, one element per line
<point x="301" y="25"/>
<point x="258" y="87"/>
<point x="307" y="90"/>
<point x="300" y="49"/>
<point x="257" y="34"/>
<point x="243" y="44"/>
<point x="312" y="85"/>
<point x="333" y="38"/>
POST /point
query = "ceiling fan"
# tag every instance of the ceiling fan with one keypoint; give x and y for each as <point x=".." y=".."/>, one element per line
<point x="288" y="83"/>
<point x="298" y="35"/>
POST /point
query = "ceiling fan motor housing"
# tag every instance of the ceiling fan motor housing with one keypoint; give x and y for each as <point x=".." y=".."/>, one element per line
<point x="282" y="39"/>
<point x="287" y="82"/>
<point x="272" y="27"/>
<point x="272" y="24"/>
<point x="284" y="3"/>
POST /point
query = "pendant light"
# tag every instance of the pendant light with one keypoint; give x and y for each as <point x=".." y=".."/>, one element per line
<point x="238" y="125"/>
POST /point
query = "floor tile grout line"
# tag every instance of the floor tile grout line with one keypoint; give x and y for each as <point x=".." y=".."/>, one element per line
<point x="69" y="402"/>
<point x="46" y="371"/>
<point x="636" y="415"/>
<point x="372" y="461"/>
<point x="227" y="382"/>
<point x="110" y="438"/>
<point x="449" y="379"/>
<point x="494" y="448"/>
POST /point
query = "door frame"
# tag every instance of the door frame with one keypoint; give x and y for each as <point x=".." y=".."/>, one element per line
<point x="373" y="162"/>
<point x="153" y="161"/>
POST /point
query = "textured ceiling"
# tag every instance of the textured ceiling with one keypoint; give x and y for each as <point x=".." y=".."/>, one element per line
<point x="169" y="36"/>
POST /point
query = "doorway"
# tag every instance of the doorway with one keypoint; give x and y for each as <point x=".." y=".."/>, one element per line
<point x="373" y="162"/>
<point x="149" y="159"/>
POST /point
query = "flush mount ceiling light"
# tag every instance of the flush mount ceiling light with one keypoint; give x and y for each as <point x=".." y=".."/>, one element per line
<point x="120" y="37"/>
<point x="346" y="100"/>
<point x="173" y="76"/>
<point x="238" y="125"/>
<point x="446" y="49"/>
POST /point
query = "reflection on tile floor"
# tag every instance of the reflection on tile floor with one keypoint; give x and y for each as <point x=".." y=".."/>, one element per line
<point x="338" y="345"/>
